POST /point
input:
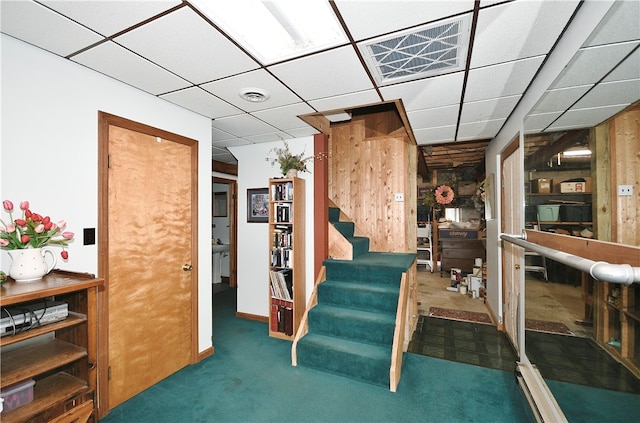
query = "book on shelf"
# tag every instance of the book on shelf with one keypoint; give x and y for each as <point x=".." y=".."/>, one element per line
<point x="281" y="284"/>
<point x="282" y="318"/>
<point x="282" y="191"/>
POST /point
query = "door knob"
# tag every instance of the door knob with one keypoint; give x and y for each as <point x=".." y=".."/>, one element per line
<point x="517" y="267"/>
<point x="187" y="267"/>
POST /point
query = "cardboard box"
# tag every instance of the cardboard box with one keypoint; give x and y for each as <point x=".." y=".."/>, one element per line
<point x="579" y="185"/>
<point x="541" y="185"/>
<point x="466" y="188"/>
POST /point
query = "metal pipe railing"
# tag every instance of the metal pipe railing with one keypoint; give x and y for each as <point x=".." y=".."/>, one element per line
<point x="599" y="270"/>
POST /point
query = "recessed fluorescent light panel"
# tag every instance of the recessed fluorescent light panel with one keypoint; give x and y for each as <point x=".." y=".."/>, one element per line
<point x="424" y="51"/>
<point x="274" y="30"/>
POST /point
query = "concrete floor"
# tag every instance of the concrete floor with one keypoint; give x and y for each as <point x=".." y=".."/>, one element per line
<point x="544" y="300"/>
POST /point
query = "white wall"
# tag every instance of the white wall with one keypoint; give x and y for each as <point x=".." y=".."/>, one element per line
<point x="49" y="149"/>
<point x="254" y="171"/>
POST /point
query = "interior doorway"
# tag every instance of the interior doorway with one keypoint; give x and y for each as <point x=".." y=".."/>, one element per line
<point x="224" y="231"/>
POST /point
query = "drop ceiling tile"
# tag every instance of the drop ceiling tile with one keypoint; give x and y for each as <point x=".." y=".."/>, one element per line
<point x="285" y="117"/>
<point x="345" y="101"/>
<point x="611" y="93"/>
<point x="268" y="137"/>
<point x="200" y="101"/>
<point x="629" y="69"/>
<point x="110" y="17"/>
<point x="430" y="118"/>
<point x="242" y="125"/>
<point x="37" y="25"/>
<point x="435" y="135"/>
<point x="218" y="136"/>
<point x="366" y="19"/>
<point x="497" y="108"/>
<point x="231" y="142"/>
<point x="534" y="123"/>
<point x="559" y="99"/>
<point x="302" y="132"/>
<point x="590" y="64"/>
<point x="229" y="90"/>
<point x="200" y="54"/>
<point x="326" y="74"/>
<point x="429" y="93"/>
<point x="479" y="130"/>
<point x="585" y="118"/>
<point x="620" y="24"/>
<point x="505" y="79"/>
<point x="111" y="59"/>
<point x="518" y="30"/>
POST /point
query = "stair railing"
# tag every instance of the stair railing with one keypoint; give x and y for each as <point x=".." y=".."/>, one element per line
<point x="398" y="336"/>
<point x="303" y="329"/>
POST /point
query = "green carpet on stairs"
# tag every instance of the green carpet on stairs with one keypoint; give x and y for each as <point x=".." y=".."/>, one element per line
<point x="351" y="328"/>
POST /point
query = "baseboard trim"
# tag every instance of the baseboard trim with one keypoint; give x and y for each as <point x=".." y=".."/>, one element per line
<point x="206" y="353"/>
<point x="264" y="319"/>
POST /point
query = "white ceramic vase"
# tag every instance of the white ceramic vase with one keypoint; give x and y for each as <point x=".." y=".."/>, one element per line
<point x="29" y="264"/>
<point x="292" y="173"/>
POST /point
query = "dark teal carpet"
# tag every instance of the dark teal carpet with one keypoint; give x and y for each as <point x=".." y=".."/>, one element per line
<point x="250" y="379"/>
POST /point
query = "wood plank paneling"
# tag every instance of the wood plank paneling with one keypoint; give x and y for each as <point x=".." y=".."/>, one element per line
<point x="366" y="173"/>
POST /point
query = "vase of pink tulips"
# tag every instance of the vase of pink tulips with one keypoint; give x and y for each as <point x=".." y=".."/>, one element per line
<point x="27" y="238"/>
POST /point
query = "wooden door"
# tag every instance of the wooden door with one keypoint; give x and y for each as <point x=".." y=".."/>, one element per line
<point x="512" y="223"/>
<point x="151" y="277"/>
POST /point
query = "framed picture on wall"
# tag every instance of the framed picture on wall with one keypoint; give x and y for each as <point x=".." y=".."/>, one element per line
<point x="257" y="205"/>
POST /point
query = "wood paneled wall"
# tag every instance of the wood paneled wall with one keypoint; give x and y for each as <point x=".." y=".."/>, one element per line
<point x="625" y="169"/>
<point x="372" y="160"/>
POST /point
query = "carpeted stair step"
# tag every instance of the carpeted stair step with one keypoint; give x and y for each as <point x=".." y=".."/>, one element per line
<point x="334" y="214"/>
<point x="347" y="229"/>
<point x="360" y="245"/>
<point x="356" y="325"/>
<point x="358" y="295"/>
<point x="365" y="362"/>
<point x="371" y="267"/>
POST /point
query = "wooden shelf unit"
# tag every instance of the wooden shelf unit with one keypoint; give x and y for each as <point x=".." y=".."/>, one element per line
<point x="60" y="357"/>
<point x="287" y="254"/>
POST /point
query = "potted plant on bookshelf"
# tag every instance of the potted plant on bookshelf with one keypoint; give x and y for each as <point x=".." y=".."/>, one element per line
<point x="290" y="164"/>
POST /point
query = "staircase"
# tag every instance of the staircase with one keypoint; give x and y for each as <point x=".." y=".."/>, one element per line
<point x="351" y="329"/>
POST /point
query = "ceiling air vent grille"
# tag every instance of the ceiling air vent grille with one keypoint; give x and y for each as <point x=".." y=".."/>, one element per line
<point x="429" y="50"/>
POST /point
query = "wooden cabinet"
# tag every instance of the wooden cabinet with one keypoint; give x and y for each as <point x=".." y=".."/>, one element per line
<point x="286" y="256"/>
<point x="460" y="253"/>
<point x="60" y="357"/>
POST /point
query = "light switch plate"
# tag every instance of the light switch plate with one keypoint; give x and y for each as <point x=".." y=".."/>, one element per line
<point x="625" y="190"/>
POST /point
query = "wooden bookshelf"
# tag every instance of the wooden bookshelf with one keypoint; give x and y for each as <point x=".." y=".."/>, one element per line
<point x="286" y="279"/>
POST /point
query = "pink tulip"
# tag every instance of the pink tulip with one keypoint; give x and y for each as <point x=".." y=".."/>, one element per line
<point x="3" y="242"/>
<point x="11" y="228"/>
<point x="67" y="235"/>
<point x="8" y="205"/>
<point x="25" y="238"/>
<point x="62" y="224"/>
<point x="24" y="205"/>
<point x="64" y="254"/>
<point x="39" y="229"/>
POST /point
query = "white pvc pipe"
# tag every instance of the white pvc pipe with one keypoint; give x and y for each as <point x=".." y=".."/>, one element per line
<point x="599" y="270"/>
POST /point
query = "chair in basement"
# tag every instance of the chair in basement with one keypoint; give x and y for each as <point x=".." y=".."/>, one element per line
<point x="425" y="246"/>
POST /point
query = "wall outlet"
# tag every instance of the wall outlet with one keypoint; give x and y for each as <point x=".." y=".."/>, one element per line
<point x="399" y="196"/>
<point x="625" y="190"/>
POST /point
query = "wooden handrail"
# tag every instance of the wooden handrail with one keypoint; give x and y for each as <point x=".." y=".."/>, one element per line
<point x="395" y="369"/>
